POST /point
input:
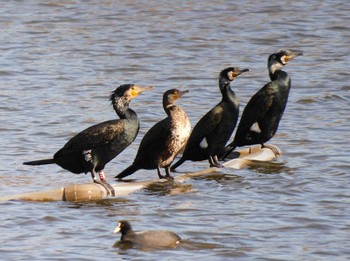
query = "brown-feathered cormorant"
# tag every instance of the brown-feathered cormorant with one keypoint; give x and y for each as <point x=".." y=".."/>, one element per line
<point x="164" y="140"/>
<point x="214" y="129"/>
<point x="262" y="114"/>
<point x="91" y="149"/>
<point x="146" y="239"/>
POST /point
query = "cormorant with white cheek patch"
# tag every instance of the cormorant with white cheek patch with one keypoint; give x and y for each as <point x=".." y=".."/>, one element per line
<point x="91" y="149"/>
<point x="214" y="129"/>
<point x="262" y="114"/>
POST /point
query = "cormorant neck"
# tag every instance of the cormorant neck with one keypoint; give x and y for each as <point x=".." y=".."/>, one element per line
<point x="168" y="108"/>
<point x="278" y="74"/>
<point x="121" y="107"/>
<point x="226" y="91"/>
<point x="282" y="79"/>
<point x="274" y="67"/>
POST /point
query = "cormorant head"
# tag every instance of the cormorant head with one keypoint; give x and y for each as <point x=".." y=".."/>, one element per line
<point x="230" y="73"/>
<point x="170" y="96"/>
<point x="277" y="60"/>
<point x="128" y="92"/>
<point x="123" y="227"/>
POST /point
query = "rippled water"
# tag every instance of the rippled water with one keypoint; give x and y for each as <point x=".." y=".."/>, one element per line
<point x="59" y="62"/>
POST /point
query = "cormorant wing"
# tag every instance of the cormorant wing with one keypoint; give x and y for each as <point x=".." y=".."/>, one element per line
<point x="256" y="109"/>
<point x="205" y="126"/>
<point x="154" y="144"/>
<point x="156" y="136"/>
<point x="94" y="136"/>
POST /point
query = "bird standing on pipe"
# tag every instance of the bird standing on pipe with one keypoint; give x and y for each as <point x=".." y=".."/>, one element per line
<point x="210" y="135"/>
<point x="164" y="140"/>
<point x="262" y="114"/>
<point x="91" y="149"/>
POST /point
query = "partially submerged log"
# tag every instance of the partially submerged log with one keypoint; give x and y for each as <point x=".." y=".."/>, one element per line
<point x="93" y="191"/>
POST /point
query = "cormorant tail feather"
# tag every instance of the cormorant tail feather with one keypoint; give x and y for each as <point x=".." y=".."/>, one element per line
<point x="126" y="172"/>
<point x="39" y="162"/>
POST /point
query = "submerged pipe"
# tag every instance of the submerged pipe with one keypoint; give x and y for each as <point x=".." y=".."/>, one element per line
<point x="94" y="191"/>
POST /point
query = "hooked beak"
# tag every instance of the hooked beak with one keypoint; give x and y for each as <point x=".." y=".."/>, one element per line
<point x="144" y="88"/>
<point x="233" y="74"/>
<point x="291" y="54"/>
<point x="182" y="93"/>
<point x="243" y="71"/>
<point x="138" y="89"/>
<point x="295" y="53"/>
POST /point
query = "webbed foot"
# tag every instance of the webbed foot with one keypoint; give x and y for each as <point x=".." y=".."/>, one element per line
<point x="214" y="162"/>
<point x="275" y="150"/>
<point x="108" y="187"/>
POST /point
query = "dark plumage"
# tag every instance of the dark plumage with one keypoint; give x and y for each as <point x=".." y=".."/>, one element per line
<point x="147" y="239"/>
<point x="214" y="129"/>
<point x="164" y="140"/>
<point x="91" y="149"/>
<point x="262" y="114"/>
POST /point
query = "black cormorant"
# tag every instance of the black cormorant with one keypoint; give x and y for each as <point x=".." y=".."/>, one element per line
<point x="214" y="129"/>
<point x="146" y="239"/>
<point x="91" y="149"/>
<point x="262" y="114"/>
<point x="164" y="140"/>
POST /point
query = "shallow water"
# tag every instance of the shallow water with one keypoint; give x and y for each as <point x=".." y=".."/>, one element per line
<point x="60" y="61"/>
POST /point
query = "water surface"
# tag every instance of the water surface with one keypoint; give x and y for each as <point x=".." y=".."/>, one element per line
<point x="60" y="61"/>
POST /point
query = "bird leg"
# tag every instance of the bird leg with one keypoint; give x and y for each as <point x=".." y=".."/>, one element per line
<point x="167" y="171"/>
<point x="108" y="187"/>
<point x="88" y="158"/>
<point x="102" y="176"/>
<point x="214" y="162"/>
<point x="103" y="180"/>
<point x="160" y="173"/>
<point x="167" y="176"/>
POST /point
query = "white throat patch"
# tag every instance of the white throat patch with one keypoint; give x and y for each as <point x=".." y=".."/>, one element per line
<point x="275" y="67"/>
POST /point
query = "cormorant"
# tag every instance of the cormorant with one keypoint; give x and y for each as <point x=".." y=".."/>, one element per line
<point x="91" y="149"/>
<point x="262" y="114"/>
<point x="148" y="238"/>
<point x="214" y="129"/>
<point x="164" y="140"/>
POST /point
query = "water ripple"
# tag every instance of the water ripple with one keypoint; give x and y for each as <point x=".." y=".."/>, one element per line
<point x="61" y="60"/>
